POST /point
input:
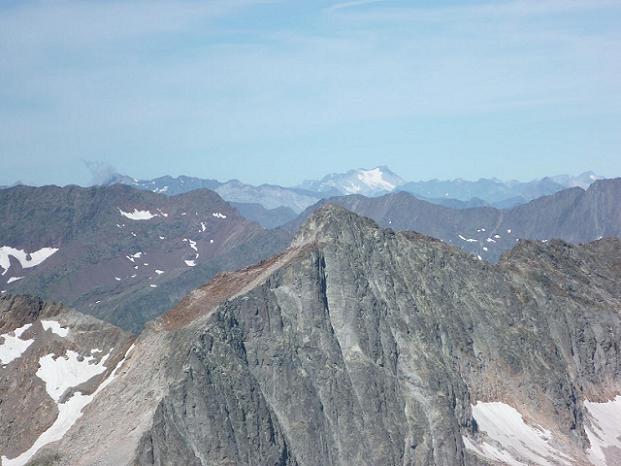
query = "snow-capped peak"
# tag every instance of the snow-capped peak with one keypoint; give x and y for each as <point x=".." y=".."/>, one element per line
<point x="369" y="182"/>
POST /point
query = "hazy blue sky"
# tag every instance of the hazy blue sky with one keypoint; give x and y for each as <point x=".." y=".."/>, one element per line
<point x="280" y="91"/>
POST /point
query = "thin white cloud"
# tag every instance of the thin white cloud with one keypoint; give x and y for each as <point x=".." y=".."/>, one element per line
<point x="352" y="4"/>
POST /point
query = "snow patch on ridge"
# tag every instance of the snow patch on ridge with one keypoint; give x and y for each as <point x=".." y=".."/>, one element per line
<point x="13" y="346"/>
<point x="138" y="214"/>
<point x="55" y="327"/>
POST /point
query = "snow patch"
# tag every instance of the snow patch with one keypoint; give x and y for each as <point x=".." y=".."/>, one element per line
<point x="218" y="215"/>
<point x="190" y="263"/>
<point x="605" y="430"/>
<point x="159" y="272"/>
<point x="13" y="279"/>
<point x="203" y="227"/>
<point x="13" y="346"/>
<point x="55" y="327"/>
<point x="68" y="413"/>
<point x="153" y="286"/>
<point x="510" y="440"/>
<point x="26" y="259"/>
<point x="138" y="214"/>
<point x="63" y="372"/>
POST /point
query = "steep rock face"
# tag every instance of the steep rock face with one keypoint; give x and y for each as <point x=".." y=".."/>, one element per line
<point x="364" y="346"/>
<point x="574" y="215"/>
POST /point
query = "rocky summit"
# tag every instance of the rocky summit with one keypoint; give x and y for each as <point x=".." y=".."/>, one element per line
<point x="360" y="345"/>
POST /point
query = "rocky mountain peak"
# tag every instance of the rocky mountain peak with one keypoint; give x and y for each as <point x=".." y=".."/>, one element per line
<point x="331" y="222"/>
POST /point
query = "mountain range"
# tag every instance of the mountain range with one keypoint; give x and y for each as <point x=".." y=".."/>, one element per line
<point x="373" y="182"/>
<point x="355" y="345"/>
<point x="574" y="215"/>
<point x="149" y="326"/>
<point x="127" y="255"/>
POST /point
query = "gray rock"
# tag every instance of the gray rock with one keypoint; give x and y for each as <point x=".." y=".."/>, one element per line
<point x="364" y="346"/>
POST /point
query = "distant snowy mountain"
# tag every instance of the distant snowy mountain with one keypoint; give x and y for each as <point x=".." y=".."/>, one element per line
<point x="581" y="181"/>
<point x="268" y="196"/>
<point x="368" y="182"/>
<point x="261" y="201"/>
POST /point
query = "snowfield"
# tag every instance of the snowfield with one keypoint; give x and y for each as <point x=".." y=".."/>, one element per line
<point x="138" y="214"/>
<point x="13" y="346"/>
<point x="63" y="372"/>
<point x="69" y="411"/>
<point x="605" y="430"/>
<point x="510" y="440"/>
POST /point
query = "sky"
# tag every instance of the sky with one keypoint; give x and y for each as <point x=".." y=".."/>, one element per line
<point x="281" y="91"/>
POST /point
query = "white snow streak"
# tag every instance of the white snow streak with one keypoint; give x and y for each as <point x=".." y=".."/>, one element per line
<point x="138" y="214"/>
<point x="25" y="259"/>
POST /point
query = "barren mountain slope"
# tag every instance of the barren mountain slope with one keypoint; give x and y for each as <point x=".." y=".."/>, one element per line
<point x="363" y="346"/>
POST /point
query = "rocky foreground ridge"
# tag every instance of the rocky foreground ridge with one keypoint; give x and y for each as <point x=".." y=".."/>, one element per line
<point x="359" y="345"/>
